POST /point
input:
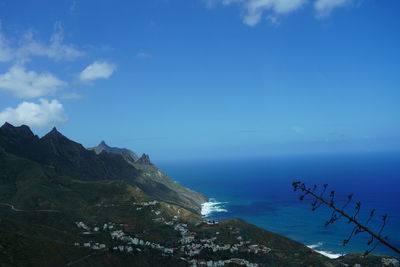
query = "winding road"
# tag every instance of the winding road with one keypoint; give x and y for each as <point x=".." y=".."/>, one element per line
<point x="18" y="210"/>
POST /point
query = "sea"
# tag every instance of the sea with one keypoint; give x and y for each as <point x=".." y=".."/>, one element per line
<point x="259" y="190"/>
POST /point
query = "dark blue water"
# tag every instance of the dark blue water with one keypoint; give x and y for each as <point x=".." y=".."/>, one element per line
<point x="259" y="191"/>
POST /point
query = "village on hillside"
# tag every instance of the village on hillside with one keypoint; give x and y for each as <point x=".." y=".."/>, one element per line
<point x="123" y="239"/>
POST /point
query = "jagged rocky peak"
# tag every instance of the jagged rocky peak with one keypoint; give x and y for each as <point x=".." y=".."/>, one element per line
<point x="127" y="154"/>
<point x="54" y="133"/>
<point x="19" y="140"/>
<point x="103" y="144"/>
<point x="57" y="145"/>
<point x="21" y="131"/>
<point x="7" y="125"/>
<point x="144" y="159"/>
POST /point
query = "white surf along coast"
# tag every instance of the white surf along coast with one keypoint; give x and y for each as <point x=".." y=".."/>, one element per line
<point x="328" y="254"/>
<point x="212" y="206"/>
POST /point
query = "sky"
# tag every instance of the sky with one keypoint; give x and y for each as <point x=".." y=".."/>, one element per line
<point x="197" y="79"/>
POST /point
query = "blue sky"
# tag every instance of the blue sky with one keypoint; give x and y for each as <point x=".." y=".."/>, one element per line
<point x="182" y="79"/>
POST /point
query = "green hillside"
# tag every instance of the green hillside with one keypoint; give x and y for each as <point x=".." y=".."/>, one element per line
<point x="55" y="211"/>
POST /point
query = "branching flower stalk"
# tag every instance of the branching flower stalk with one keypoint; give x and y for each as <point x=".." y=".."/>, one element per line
<point x="339" y="213"/>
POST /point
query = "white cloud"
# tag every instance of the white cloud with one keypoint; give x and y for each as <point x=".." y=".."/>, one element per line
<point x="28" y="46"/>
<point x="45" y="113"/>
<point x="256" y="8"/>
<point x="253" y="11"/>
<point x="325" y="7"/>
<point x="29" y="84"/>
<point x="97" y="70"/>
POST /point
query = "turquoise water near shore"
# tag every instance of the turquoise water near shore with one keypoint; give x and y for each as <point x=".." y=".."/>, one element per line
<point x="259" y="191"/>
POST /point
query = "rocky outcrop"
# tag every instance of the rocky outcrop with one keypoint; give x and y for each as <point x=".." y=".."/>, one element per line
<point x="19" y="140"/>
<point x="144" y="159"/>
<point x="127" y="154"/>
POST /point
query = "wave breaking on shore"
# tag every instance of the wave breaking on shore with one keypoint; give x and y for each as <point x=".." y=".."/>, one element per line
<point x="328" y="254"/>
<point x="212" y="206"/>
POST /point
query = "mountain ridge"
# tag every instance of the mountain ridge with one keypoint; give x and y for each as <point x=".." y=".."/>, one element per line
<point x="127" y="154"/>
<point x="68" y="157"/>
<point x="51" y="214"/>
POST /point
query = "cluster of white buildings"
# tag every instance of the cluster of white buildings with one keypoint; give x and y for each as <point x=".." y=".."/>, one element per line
<point x="109" y="226"/>
<point x="82" y="225"/>
<point x="191" y="248"/>
<point x="141" y="205"/>
<point x="88" y="230"/>
<point x="120" y="235"/>
<point x="146" y="204"/>
<point x="195" y="263"/>
<point x="122" y="248"/>
<point x="91" y="245"/>
<point x="189" y="245"/>
<point x="390" y="262"/>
